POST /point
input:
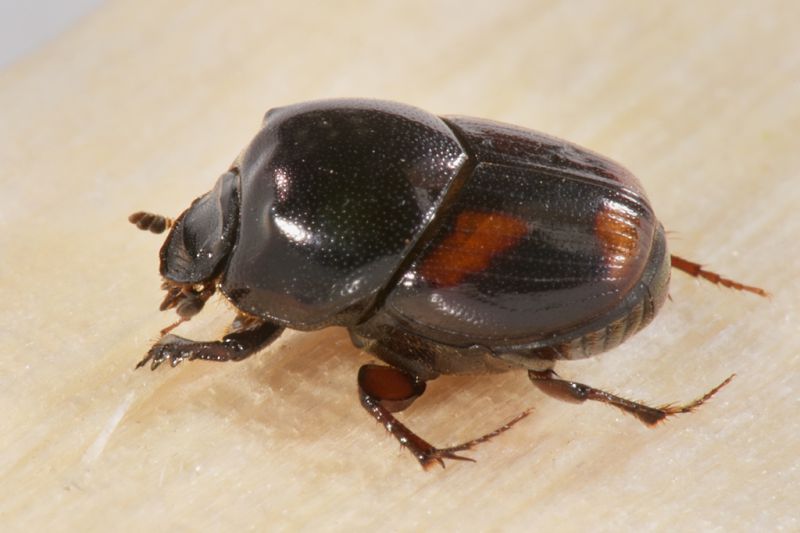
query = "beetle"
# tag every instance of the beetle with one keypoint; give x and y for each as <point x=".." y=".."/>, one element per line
<point x="445" y="245"/>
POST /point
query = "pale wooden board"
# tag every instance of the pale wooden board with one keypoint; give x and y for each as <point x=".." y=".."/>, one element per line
<point x="141" y="107"/>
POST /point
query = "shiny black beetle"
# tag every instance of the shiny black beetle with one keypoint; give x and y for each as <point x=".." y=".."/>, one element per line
<point x="446" y="245"/>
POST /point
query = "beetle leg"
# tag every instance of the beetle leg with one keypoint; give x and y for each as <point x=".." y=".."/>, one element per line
<point x="696" y="270"/>
<point x="248" y="337"/>
<point x="549" y="382"/>
<point x="385" y="390"/>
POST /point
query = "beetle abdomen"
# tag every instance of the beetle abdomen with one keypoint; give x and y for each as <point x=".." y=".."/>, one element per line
<point x="535" y="247"/>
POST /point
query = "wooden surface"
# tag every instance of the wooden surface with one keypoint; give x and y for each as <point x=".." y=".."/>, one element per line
<point x="142" y="108"/>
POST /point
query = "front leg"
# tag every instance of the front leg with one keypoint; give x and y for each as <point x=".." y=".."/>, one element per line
<point x="247" y="337"/>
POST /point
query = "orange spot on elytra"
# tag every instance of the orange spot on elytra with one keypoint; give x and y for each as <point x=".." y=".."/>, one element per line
<point x="476" y="238"/>
<point x="616" y="227"/>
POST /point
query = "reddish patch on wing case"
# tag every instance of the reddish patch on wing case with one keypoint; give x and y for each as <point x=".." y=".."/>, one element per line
<point x="475" y="240"/>
<point x="617" y="228"/>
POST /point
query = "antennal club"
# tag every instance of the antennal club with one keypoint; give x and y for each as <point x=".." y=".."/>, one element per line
<point x="151" y="222"/>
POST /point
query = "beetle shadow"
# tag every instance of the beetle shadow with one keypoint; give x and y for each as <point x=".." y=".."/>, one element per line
<point x="453" y="408"/>
<point x="297" y="388"/>
<point x="304" y="388"/>
<point x="459" y="408"/>
<point x="299" y="396"/>
<point x="283" y="387"/>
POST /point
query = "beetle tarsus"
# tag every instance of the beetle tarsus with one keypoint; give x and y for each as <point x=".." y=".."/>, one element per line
<point x="672" y="409"/>
<point x="384" y="390"/>
<point x="235" y="346"/>
<point x="696" y="270"/>
<point x="449" y="453"/>
<point x="549" y="382"/>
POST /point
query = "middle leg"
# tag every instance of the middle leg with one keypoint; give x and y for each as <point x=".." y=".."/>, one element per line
<point x="385" y="390"/>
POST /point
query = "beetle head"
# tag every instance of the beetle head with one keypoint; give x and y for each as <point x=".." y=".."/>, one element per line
<point x="198" y="245"/>
<point x="202" y="237"/>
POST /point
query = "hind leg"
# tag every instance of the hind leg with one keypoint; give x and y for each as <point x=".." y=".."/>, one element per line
<point x="696" y="270"/>
<point x="549" y="382"/>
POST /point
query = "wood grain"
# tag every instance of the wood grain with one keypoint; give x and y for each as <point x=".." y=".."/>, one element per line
<point x="142" y="108"/>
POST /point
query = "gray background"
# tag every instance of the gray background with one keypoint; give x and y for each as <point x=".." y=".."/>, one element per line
<point x="25" y="26"/>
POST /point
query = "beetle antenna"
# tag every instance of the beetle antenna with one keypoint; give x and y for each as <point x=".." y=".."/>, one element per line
<point x="150" y="221"/>
<point x="696" y="270"/>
